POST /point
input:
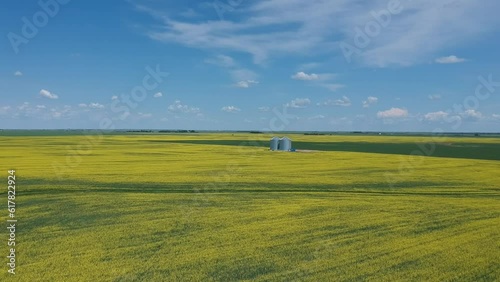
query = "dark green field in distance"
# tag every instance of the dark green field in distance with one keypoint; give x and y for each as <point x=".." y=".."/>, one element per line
<point x="481" y="151"/>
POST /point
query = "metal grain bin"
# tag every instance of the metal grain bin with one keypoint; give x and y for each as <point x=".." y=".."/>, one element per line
<point x="274" y="143"/>
<point x="285" y="144"/>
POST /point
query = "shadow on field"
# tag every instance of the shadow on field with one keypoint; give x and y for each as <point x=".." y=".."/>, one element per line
<point x="32" y="187"/>
<point x="480" y="151"/>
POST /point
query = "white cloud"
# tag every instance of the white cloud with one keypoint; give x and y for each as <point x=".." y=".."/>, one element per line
<point x="312" y="76"/>
<point x="24" y="106"/>
<point x="319" y="79"/>
<point x="370" y="101"/>
<point x="344" y="102"/>
<point x="4" y="110"/>
<point x="246" y="83"/>
<point x="178" y="107"/>
<point x="288" y="27"/>
<point x="221" y="61"/>
<point x="264" y="109"/>
<point x="298" y="103"/>
<point x="114" y="97"/>
<point x="82" y="105"/>
<point x="304" y="76"/>
<point x="47" y="94"/>
<point x="244" y="78"/>
<point x="436" y="116"/>
<point x="450" y="60"/>
<point x="42" y="112"/>
<point x="434" y="97"/>
<point x="472" y="115"/>
<point x="158" y="95"/>
<point x="393" y="113"/>
<point x="495" y="116"/>
<point x="18" y="73"/>
<point x="230" y="109"/>
<point x="96" y="106"/>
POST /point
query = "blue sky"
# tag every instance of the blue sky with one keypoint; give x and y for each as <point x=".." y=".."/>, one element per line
<point x="382" y="65"/>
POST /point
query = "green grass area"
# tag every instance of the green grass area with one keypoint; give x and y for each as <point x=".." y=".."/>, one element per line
<point x="191" y="208"/>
